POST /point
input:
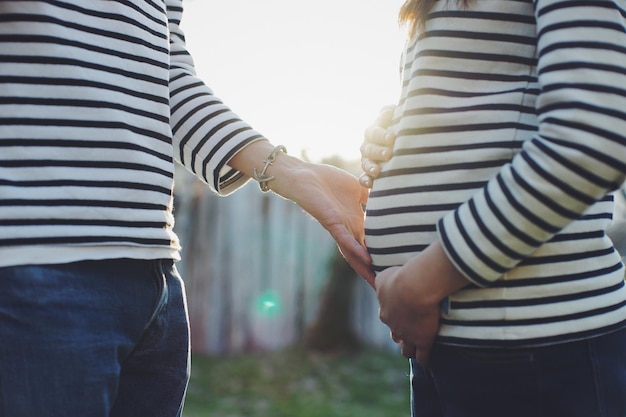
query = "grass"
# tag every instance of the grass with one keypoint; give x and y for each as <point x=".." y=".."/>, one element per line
<point x="297" y="383"/>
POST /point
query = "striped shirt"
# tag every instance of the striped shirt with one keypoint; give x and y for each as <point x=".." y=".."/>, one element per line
<point x="97" y="100"/>
<point x="511" y="130"/>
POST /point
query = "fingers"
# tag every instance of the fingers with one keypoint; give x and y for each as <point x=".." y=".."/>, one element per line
<point x="371" y="171"/>
<point x="408" y="350"/>
<point x="370" y="167"/>
<point x="356" y="256"/>
<point x="378" y="140"/>
<point x="422" y="355"/>
<point x="395" y="338"/>
<point x="361" y="267"/>
<point x="413" y="325"/>
<point x="377" y="148"/>
<point x="378" y="144"/>
<point x="412" y="351"/>
<point x="366" y="181"/>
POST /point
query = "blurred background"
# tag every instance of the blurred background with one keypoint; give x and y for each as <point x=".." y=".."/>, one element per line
<point x="281" y="326"/>
<point x="308" y="75"/>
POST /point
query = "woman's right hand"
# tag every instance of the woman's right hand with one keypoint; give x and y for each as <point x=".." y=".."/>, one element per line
<point x="377" y="146"/>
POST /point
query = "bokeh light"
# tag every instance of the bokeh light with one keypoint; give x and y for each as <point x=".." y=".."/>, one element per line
<point x="268" y="304"/>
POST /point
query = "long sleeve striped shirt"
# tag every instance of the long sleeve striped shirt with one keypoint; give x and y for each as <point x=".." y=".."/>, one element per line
<point x="511" y="132"/>
<point x="97" y="100"/>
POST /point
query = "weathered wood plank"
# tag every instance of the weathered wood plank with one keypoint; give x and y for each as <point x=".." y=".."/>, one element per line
<point x="254" y="267"/>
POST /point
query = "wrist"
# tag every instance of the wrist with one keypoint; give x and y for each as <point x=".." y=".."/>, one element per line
<point x="262" y="176"/>
<point x="278" y="175"/>
<point x="434" y="276"/>
<point x="289" y="174"/>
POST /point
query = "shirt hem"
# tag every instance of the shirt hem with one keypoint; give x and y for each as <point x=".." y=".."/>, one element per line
<point x="530" y="343"/>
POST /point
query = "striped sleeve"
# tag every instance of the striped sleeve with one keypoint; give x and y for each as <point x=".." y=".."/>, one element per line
<point x="577" y="156"/>
<point x="206" y="132"/>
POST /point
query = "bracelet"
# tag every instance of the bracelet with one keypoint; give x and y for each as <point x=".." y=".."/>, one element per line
<point x="262" y="178"/>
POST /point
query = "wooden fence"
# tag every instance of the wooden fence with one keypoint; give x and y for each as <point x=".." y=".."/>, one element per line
<point x="255" y="266"/>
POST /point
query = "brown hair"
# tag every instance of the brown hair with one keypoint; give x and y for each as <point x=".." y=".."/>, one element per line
<point x="413" y="12"/>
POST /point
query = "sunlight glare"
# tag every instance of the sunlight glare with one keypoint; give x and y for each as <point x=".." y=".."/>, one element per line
<point x="311" y="76"/>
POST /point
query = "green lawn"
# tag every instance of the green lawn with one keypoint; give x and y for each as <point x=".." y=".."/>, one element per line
<point x="296" y="383"/>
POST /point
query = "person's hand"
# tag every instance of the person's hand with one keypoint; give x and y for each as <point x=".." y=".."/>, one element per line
<point x="332" y="196"/>
<point x="413" y="320"/>
<point x="336" y="199"/>
<point x="410" y="297"/>
<point x="377" y="146"/>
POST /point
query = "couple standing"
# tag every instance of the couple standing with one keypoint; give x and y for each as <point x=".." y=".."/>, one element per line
<point x="485" y="229"/>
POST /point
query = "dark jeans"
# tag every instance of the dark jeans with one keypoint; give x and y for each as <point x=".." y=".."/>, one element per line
<point x="93" y="339"/>
<point x="579" y="379"/>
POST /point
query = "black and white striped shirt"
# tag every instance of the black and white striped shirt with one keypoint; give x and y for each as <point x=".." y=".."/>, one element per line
<point x="511" y="130"/>
<point x="97" y="99"/>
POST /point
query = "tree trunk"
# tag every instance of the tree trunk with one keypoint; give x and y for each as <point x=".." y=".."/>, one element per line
<point x="332" y="330"/>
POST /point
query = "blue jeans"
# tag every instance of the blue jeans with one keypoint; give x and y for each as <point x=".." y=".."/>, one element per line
<point x="578" y="379"/>
<point x="93" y="339"/>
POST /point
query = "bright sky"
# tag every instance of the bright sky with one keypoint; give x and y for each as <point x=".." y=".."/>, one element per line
<point x="310" y="75"/>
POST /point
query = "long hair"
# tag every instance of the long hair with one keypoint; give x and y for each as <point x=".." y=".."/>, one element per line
<point x="413" y="13"/>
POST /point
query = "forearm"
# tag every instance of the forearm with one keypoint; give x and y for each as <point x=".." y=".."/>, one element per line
<point x="432" y="276"/>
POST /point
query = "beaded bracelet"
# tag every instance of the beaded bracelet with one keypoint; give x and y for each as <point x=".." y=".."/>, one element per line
<point x="262" y="178"/>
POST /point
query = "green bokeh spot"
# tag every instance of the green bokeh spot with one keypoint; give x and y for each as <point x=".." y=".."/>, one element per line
<point x="268" y="304"/>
